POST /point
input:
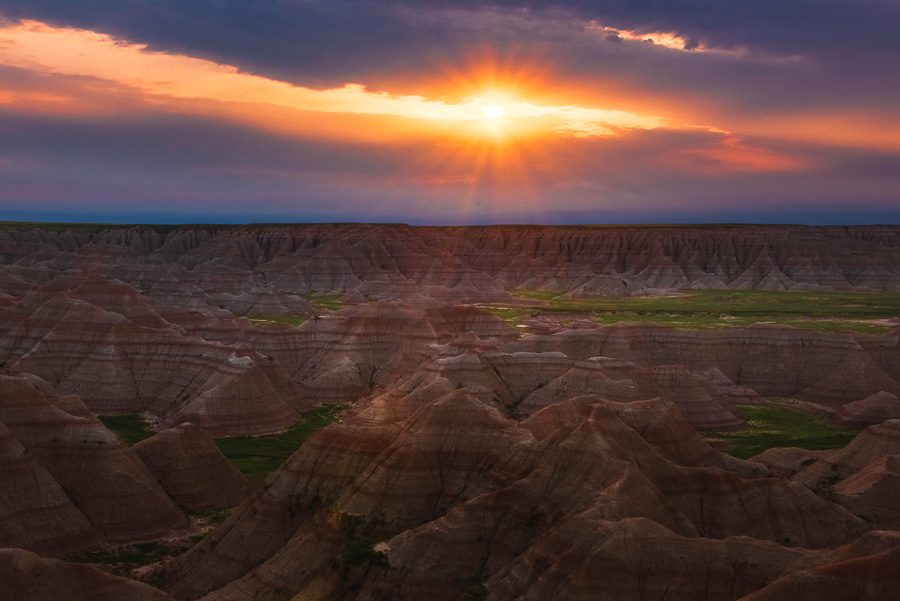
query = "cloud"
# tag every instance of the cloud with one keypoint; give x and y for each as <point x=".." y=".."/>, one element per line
<point x="748" y="64"/>
<point x="197" y="167"/>
<point x="361" y="110"/>
<point x="38" y="47"/>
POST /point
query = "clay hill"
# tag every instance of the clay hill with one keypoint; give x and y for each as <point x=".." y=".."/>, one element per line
<point x="471" y="458"/>
<point x="264" y="269"/>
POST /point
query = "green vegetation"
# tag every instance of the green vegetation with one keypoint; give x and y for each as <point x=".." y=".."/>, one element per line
<point x="291" y="320"/>
<point x="361" y="542"/>
<point x="777" y="426"/>
<point x="259" y="456"/>
<point x="211" y="517"/>
<point x="124" y="559"/>
<point x="130" y="427"/>
<point x="828" y="311"/>
<point x="510" y="315"/>
<point x="361" y="553"/>
<point x="330" y="301"/>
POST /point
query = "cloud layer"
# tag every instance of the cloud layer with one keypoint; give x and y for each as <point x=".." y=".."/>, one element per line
<point x="615" y="111"/>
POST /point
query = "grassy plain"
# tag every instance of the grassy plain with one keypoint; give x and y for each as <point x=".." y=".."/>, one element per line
<point x="331" y="300"/>
<point x="776" y="426"/>
<point x="857" y="312"/>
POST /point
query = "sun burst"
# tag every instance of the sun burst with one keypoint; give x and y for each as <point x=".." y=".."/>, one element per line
<point x="493" y="111"/>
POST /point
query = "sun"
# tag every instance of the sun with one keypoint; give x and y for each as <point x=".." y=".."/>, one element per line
<point x="493" y="111"/>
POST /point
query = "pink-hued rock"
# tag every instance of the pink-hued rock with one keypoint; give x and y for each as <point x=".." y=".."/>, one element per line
<point x="118" y="366"/>
<point x="35" y="512"/>
<point x="559" y="460"/>
<point x="869" y="411"/>
<point x="830" y="368"/>
<point x="189" y="466"/>
<point x="101" y="475"/>
<point x="873" y="443"/>
<point x="873" y="491"/>
<point x="872" y="577"/>
<point x="25" y="576"/>
<point x="457" y="492"/>
<point x="460" y="264"/>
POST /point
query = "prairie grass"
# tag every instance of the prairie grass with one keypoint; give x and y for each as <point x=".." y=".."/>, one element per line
<point x="857" y="312"/>
<point x="776" y="426"/>
<point x="258" y="456"/>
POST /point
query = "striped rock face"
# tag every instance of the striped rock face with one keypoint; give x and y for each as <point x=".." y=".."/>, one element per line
<point x="483" y="452"/>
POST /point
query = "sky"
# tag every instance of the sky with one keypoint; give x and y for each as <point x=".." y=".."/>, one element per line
<point x="439" y="112"/>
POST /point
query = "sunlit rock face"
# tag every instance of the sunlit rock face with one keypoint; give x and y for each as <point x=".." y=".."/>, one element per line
<point x="474" y="459"/>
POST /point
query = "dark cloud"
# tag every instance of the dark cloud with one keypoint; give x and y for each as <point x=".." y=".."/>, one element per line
<point x="799" y="54"/>
<point x="771" y="26"/>
<point x="778" y="59"/>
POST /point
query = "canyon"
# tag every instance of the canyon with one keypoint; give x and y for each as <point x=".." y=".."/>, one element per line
<point x="509" y="417"/>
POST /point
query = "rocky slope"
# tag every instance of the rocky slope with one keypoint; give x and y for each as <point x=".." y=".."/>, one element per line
<point x="117" y="365"/>
<point x="475" y="461"/>
<point x="24" y="575"/>
<point x="461" y="496"/>
<point x="829" y="368"/>
<point x="190" y="468"/>
<point x="100" y="475"/>
<point x="237" y="267"/>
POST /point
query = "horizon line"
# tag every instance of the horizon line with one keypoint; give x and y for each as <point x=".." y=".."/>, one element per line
<point x="12" y="224"/>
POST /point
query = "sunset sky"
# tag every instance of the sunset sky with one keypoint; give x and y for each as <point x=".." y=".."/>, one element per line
<point x="624" y="111"/>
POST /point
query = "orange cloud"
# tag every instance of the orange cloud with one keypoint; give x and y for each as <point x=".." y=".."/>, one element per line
<point x="39" y="47"/>
<point x="732" y="155"/>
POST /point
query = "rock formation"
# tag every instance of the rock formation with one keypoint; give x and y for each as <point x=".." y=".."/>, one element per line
<point x="869" y="411"/>
<point x="457" y="264"/>
<point x="870" y="577"/>
<point x="437" y="475"/>
<point x="117" y="366"/>
<point x="475" y="460"/>
<point x="185" y="460"/>
<point x="35" y="511"/>
<point x="26" y="576"/>
<point x="100" y="476"/>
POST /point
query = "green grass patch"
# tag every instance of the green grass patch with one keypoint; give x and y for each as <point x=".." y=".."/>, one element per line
<point x="361" y="553"/>
<point x="331" y="301"/>
<point x="291" y="320"/>
<point x="211" y="517"/>
<point x="130" y="427"/>
<point x="826" y="311"/>
<point x="125" y="559"/>
<point x="259" y="456"/>
<point x="775" y="426"/>
<point x="510" y="315"/>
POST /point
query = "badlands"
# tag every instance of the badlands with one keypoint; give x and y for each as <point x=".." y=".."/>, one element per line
<point x="379" y="412"/>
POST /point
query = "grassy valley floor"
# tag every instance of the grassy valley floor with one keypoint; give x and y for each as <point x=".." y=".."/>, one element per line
<point x="857" y="312"/>
<point x="778" y="426"/>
